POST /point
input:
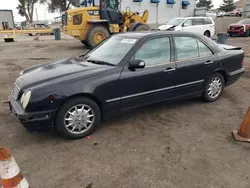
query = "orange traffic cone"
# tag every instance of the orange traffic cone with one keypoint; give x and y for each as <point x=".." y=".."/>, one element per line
<point x="11" y="176"/>
<point x="244" y="134"/>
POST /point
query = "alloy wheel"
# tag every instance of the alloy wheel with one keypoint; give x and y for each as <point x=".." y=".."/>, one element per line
<point x="79" y="119"/>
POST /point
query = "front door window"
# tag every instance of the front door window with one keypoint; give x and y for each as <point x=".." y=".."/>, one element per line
<point x="155" y="51"/>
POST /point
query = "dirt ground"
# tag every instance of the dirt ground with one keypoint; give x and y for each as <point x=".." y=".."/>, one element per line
<point x="181" y="144"/>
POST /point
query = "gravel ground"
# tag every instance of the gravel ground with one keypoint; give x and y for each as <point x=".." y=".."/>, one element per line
<point x="181" y="144"/>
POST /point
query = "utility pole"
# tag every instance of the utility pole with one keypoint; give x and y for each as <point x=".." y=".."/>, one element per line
<point x="36" y="16"/>
<point x="45" y="15"/>
<point x="180" y="7"/>
<point x="157" y="15"/>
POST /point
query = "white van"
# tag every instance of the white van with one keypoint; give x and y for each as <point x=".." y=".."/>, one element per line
<point x="201" y="25"/>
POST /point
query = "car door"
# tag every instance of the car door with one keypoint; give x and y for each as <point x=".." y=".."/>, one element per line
<point x="153" y="83"/>
<point x="195" y="62"/>
<point x="197" y="26"/>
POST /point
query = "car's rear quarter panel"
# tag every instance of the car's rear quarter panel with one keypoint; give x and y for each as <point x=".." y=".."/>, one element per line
<point x="231" y="60"/>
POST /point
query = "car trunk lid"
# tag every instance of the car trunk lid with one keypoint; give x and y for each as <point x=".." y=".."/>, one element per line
<point x="228" y="47"/>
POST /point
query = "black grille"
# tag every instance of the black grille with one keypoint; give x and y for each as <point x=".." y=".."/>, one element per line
<point x="15" y="92"/>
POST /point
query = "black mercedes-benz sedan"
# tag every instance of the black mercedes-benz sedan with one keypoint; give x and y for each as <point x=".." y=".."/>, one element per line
<point x="125" y="71"/>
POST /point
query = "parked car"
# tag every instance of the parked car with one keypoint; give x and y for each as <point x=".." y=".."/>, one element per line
<point x="211" y="14"/>
<point x="221" y="14"/>
<point x="199" y="25"/>
<point x="38" y="26"/>
<point x="236" y="12"/>
<point x="241" y="28"/>
<point x="125" y="71"/>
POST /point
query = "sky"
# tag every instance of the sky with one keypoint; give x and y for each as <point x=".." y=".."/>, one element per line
<point x="43" y="13"/>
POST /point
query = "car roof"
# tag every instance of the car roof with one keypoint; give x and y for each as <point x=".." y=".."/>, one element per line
<point x="144" y="34"/>
<point x="192" y="17"/>
<point x="141" y="35"/>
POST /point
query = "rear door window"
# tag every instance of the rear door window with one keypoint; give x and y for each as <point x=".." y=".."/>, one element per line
<point x="204" y="50"/>
<point x="207" y="21"/>
<point x="197" y="21"/>
<point x="186" y="48"/>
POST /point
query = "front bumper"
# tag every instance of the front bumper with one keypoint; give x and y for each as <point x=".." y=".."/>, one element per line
<point x="236" y="32"/>
<point x="35" y="121"/>
<point x="234" y="76"/>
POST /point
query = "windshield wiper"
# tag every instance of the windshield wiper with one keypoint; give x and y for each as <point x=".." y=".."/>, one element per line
<point x="99" y="62"/>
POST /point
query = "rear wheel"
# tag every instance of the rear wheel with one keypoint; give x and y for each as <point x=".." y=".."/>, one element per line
<point x="96" y="35"/>
<point x="207" y="34"/>
<point x="214" y="87"/>
<point x="142" y="27"/>
<point x="77" y="118"/>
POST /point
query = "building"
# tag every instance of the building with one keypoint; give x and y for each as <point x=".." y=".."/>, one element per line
<point x="160" y="11"/>
<point x="6" y="19"/>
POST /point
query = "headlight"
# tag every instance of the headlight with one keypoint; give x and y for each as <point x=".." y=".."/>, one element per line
<point x="25" y="99"/>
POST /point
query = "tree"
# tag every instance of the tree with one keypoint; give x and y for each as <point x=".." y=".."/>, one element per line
<point x="205" y="3"/>
<point x="26" y="9"/>
<point x="61" y="5"/>
<point x="227" y="5"/>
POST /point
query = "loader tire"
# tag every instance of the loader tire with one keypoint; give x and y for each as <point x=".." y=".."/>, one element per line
<point x="142" y="27"/>
<point x="96" y="35"/>
<point x="84" y="42"/>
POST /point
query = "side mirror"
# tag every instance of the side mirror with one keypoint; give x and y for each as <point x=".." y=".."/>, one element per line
<point x="136" y="64"/>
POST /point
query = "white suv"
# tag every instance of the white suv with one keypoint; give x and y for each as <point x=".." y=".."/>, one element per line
<point x="201" y="25"/>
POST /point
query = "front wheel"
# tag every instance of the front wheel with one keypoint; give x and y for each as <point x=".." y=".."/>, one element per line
<point x="214" y="87"/>
<point x="77" y="118"/>
<point x="96" y="35"/>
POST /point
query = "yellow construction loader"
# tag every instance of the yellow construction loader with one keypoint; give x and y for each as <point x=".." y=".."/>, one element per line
<point x="93" y="23"/>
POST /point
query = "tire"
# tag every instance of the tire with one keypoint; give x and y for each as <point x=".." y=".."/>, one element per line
<point x="247" y="33"/>
<point x="95" y="30"/>
<point x="207" y="97"/>
<point x="30" y="34"/>
<point x="84" y="42"/>
<point x="207" y="34"/>
<point x="142" y="27"/>
<point x="64" y="117"/>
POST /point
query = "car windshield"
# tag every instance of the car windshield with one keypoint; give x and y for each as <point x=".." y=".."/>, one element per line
<point x="245" y="21"/>
<point x="175" y="21"/>
<point x="112" y="51"/>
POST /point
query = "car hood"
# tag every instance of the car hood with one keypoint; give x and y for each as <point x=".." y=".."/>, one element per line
<point x="236" y="25"/>
<point x="165" y="27"/>
<point x="55" y="70"/>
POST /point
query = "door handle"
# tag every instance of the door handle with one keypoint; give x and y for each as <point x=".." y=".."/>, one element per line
<point x="209" y="62"/>
<point x="169" y="69"/>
